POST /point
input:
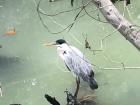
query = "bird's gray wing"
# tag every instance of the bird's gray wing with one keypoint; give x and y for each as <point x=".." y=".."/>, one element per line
<point x="76" y="62"/>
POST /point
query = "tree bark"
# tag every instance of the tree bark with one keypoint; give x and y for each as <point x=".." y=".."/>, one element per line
<point x="112" y="15"/>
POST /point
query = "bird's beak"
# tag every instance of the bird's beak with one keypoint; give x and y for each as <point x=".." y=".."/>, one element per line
<point x="50" y="44"/>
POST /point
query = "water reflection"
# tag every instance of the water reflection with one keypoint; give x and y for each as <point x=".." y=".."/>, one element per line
<point x="7" y="62"/>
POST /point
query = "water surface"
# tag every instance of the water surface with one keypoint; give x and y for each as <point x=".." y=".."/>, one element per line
<point x="28" y="70"/>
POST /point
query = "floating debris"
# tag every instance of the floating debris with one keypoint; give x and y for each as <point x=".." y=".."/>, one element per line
<point x="34" y="82"/>
<point x="11" y="32"/>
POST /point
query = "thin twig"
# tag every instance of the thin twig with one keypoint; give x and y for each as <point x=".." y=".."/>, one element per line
<point x="94" y="11"/>
<point x="116" y="30"/>
<point x="75" y="18"/>
<point x="61" y="12"/>
<point x="47" y="26"/>
<point x="124" y="5"/>
<point x="82" y="7"/>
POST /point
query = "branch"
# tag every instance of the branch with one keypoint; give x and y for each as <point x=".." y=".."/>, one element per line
<point x="77" y="17"/>
<point x="112" y="15"/>
<point x="40" y="11"/>
<point x="61" y="12"/>
<point x="51" y="100"/>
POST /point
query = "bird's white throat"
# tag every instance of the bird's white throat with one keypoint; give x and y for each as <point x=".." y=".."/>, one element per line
<point x="62" y="50"/>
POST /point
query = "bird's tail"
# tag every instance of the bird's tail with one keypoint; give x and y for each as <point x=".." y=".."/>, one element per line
<point x="92" y="82"/>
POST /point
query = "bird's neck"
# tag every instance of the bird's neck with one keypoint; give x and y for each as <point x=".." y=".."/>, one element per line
<point x="62" y="50"/>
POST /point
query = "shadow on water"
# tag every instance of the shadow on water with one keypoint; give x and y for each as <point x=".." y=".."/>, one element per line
<point x="8" y="62"/>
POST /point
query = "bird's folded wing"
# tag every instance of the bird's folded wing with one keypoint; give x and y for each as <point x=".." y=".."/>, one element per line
<point x="76" y="62"/>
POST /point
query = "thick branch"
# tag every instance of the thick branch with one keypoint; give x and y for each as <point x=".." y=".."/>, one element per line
<point x="112" y="15"/>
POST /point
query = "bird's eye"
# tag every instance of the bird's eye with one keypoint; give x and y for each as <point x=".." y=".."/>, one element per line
<point x="64" y="52"/>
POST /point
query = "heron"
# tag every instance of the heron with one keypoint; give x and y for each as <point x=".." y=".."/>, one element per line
<point x="76" y="62"/>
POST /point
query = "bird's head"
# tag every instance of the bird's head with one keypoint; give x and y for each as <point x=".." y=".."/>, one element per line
<point x="60" y="41"/>
<point x="57" y="43"/>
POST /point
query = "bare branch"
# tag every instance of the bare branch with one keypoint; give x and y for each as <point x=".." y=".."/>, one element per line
<point x="45" y="25"/>
<point x="113" y="16"/>
<point x="61" y="12"/>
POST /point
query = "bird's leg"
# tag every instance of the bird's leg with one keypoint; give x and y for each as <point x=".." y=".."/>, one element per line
<point x="77" y="86"/>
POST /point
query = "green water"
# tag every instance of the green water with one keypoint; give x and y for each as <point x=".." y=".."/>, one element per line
<point x="28" y="70"/>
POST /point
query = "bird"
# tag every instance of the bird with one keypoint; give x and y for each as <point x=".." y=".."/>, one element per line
<point x="76" y="62"/>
